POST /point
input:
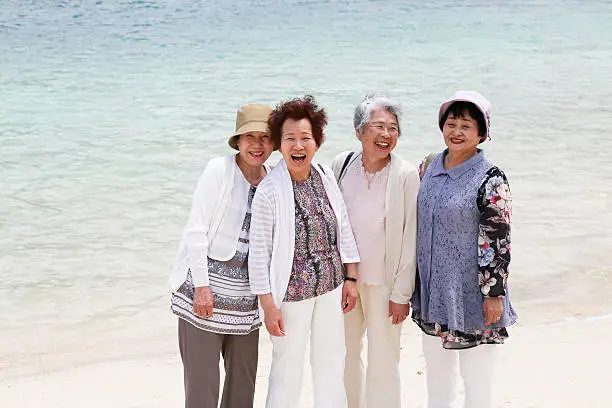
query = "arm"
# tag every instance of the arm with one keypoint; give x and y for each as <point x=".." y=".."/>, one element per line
<point x="495" y="205"/>
<point x="346" y="242"/>
<point x="349" y="288"/>
<point x="203" y="208"/>
<point x="350" y="259"/>
<point x="404" y="282"/>
<point x="348" y="251"/>
<point x="261" y="236"/>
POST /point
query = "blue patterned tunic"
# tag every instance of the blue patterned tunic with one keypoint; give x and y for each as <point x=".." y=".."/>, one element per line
<point x="463" y="251"/>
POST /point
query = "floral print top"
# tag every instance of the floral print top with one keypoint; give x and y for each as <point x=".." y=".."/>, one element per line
<point x="317" y="266"/>
<point x="463" y="211"/>
<point x="495" y="205"/>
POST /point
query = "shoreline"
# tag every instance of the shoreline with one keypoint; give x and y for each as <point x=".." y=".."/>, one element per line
<point x="553" y="357"/>
<point x="535" y="370"/>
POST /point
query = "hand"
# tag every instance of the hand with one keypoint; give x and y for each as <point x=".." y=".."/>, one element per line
<point x="398" y="311"/>
<point x="349" y="296"/>
<point x="273" y="318"/>
<point x="493" y="308"/>
<point x="203" y="301"/>
<point x="274" y="321"/>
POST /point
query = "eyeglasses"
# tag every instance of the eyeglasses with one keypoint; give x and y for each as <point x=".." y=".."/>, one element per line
<point x="392" y="130"/>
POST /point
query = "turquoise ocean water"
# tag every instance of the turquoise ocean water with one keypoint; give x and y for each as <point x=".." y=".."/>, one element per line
<point x="110" y="109"/>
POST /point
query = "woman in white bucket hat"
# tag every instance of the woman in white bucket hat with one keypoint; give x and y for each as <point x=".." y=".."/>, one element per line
<point x="217" y="313"/>
<point x="461" y="301"/>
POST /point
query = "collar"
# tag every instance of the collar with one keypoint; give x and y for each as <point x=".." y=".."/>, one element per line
<point x="456" y="172"/>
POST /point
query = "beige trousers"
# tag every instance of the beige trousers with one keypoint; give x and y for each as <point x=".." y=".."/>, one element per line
<point x="378" y="385"/>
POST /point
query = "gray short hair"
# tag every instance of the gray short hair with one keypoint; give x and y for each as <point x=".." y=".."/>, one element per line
<point x="371" y="102"/>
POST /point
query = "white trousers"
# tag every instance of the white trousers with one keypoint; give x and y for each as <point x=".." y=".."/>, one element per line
<point x="476" y="366"/>
<point x="321" y="318"/>
<point x="380" y="386"/>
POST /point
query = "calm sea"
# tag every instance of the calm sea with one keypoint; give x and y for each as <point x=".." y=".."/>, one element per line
<point x="109" y="111"/>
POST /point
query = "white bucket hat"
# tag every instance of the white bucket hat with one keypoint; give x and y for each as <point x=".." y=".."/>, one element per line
<point x="474" y="97"/>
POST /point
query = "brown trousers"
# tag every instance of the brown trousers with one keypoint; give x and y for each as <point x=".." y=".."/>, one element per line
<point x="200" y="352"/>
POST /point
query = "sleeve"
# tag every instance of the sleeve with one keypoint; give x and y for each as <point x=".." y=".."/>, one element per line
<point x="422" y="168"/>
<point x="261" y="236"/>
<point x="404" y="283"/>
<point x="494" y="244"/>
<point x="425" y="164"/>
<point x="347" y="244"/>
<point x="203" y="206"/>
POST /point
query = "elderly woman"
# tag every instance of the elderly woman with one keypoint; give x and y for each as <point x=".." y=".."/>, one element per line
<point x="462" y="303"/>
<point x="380" y="190"/>
<point x="303" y="260"/>
<point x="211" y="295"/>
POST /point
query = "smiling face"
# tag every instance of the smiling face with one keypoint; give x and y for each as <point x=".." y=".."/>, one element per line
<point x="298" y="147"/>
<point x="461" y="134"/>
<point x="254" y="148"/>
<point x="379" y="136"/>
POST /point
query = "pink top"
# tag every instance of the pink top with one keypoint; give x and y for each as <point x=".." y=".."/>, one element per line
<point x="364" y="194"/>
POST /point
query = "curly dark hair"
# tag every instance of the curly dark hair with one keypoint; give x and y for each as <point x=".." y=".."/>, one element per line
<point x="296" y="109"/>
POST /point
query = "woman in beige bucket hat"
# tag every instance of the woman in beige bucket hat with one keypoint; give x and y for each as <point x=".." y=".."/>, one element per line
<point x="217" y="313"/>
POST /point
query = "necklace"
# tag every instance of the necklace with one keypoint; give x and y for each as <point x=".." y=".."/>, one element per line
<point x="371" y="176"/>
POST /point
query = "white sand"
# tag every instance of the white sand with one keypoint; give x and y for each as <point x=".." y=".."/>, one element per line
<point x="550" y="361"/>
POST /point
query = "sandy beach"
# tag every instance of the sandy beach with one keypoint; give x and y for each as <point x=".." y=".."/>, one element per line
<point x="557" y="356"/>
<point x="110" y="110"/>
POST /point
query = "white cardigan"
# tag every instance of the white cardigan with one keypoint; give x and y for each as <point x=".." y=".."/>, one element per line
<point x="272" y="234"/>
<point x="400" y="224"/>
<point x="215" y="221"/>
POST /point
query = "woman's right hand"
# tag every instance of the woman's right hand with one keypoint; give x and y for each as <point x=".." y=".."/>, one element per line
<point x="274" y="321"/>
<point x="273" y="317"/>
<point x="203" y="301"/>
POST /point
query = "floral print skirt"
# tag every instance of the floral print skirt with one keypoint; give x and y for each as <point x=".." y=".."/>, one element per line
<point x="455" y="339"/>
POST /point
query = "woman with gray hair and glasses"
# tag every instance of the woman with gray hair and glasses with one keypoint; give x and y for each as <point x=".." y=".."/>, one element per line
<point x="380" y="191"/>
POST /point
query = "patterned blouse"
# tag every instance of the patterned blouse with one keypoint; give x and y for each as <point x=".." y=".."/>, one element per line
<point x="235" y="308"/>
<point x="317" y="266"/>
<point x="464" y="252"/>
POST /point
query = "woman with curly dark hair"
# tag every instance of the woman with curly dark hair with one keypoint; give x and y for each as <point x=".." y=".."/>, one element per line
<point x="302" y="260"/>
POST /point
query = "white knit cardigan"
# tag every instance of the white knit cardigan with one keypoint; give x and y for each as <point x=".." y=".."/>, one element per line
<point x="214" y="226"/>
<point x="272" y="234"/>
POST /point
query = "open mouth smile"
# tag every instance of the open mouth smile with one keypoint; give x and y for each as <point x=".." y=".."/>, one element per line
<point x="298" y="158"/>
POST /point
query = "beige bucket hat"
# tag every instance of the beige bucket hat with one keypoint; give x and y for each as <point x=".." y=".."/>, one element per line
<point x="250" y="118"/>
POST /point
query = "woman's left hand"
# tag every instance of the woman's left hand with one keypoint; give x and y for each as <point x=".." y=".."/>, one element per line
<point x="349" y="296"/>
<point x="398" y="312"/>
<point x="493" y="308"/>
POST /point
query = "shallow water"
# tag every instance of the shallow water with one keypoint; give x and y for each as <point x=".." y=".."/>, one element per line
<point x="109" y="111"/>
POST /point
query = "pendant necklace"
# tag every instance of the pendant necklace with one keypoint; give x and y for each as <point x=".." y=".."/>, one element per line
<point x="369" y="177"/>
